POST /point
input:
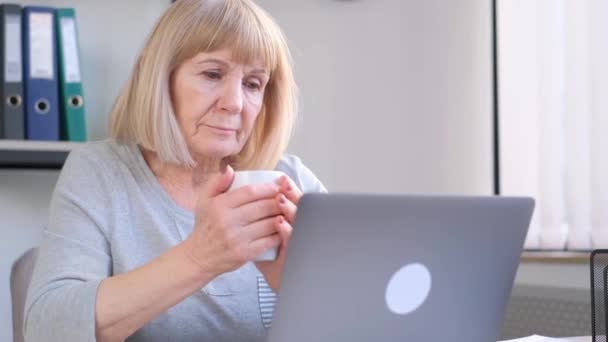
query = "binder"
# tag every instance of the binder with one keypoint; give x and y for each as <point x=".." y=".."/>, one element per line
<point x="72" y="115"/>
<point x="11" y="86"/>
<point x="40" y="74"/>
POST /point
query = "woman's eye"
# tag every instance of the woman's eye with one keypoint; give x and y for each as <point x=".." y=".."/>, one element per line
<point x="212" y="75"/>
<point x="253" y="85"/>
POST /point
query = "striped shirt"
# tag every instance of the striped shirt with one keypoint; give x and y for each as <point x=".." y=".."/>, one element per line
<point x="267" y="300"/>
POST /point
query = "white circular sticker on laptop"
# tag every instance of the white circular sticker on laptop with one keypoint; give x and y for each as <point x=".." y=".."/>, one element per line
<point x="408" y="288"/>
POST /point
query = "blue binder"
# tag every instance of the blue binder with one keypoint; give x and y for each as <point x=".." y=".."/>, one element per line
<point x="40" y="74"/>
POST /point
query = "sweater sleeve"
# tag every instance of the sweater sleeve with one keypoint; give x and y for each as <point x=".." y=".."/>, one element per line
<point x="300" y="174"/>
<point x="74" y="255"/>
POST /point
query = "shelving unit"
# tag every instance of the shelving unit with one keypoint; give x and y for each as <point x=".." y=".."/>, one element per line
<point x="20" y="154"/>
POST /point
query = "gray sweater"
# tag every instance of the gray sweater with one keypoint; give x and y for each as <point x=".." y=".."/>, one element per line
<point x="109" y="215"/>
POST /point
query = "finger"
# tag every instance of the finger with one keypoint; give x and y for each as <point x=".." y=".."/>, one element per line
<point x="258" y="210"/>
<point x="284" y="229"/>
<point x="260" y="229"/>
<point x="219" y="183"/>
<point x="288" y="209"/>
<point x="289" y="188"/>
<point x="250" y="193"/>
<point x="260" y="246"/>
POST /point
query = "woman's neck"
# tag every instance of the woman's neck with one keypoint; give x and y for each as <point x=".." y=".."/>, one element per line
<point x="182" y="183"/>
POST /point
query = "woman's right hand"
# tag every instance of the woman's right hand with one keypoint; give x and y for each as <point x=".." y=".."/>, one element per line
<point x="232" y="228"/>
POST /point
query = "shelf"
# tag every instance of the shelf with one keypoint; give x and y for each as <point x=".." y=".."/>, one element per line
<point x="24" y="154"/>
<point x="556" y="257"/>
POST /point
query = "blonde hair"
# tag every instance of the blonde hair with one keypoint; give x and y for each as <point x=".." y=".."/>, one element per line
<point x="143" y="112"/>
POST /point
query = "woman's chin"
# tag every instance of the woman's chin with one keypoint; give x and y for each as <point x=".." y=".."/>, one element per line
<point x="215" y="152"/>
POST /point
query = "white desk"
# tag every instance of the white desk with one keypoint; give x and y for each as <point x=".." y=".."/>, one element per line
<point x="537" y="338"/>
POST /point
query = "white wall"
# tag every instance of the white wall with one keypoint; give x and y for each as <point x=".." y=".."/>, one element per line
<point x="24" y="198"/>
<point x="396" y="98"/>
<point x="397" y="95"/>
<point x="111" y="33"/>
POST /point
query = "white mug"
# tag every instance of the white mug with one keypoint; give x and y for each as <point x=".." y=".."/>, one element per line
<point x="242" y="178"/>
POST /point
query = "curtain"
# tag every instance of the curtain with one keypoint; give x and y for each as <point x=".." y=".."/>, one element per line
<point x="553" y="117"/>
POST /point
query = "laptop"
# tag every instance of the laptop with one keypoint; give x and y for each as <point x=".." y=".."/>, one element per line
<point x="399" y="268"/>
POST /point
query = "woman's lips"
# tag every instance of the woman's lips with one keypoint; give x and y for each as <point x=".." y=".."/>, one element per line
<point x="221" y="129"/>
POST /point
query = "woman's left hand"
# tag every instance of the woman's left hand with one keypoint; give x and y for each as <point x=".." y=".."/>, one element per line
<point x="288" y="198"/>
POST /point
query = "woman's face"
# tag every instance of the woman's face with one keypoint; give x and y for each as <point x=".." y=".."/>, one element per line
<point x="216" y="102"/>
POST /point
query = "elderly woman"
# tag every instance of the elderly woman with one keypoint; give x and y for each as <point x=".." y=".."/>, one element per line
<point x="144" y="241"/>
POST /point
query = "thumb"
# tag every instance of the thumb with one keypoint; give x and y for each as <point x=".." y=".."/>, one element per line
<point x="220" y="182"/>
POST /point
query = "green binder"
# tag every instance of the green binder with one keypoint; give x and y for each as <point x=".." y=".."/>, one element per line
<point x="73" y="127"/>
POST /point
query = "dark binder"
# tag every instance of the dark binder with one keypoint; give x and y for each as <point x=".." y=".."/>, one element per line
<point x="11" y="69"/>
<point x="40" y="74"/>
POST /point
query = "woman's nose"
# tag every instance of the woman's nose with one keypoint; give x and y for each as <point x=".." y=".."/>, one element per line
<point x="231" y="99"/>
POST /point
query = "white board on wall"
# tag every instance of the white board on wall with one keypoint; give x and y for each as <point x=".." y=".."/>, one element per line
<point x="396" y="95"/>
